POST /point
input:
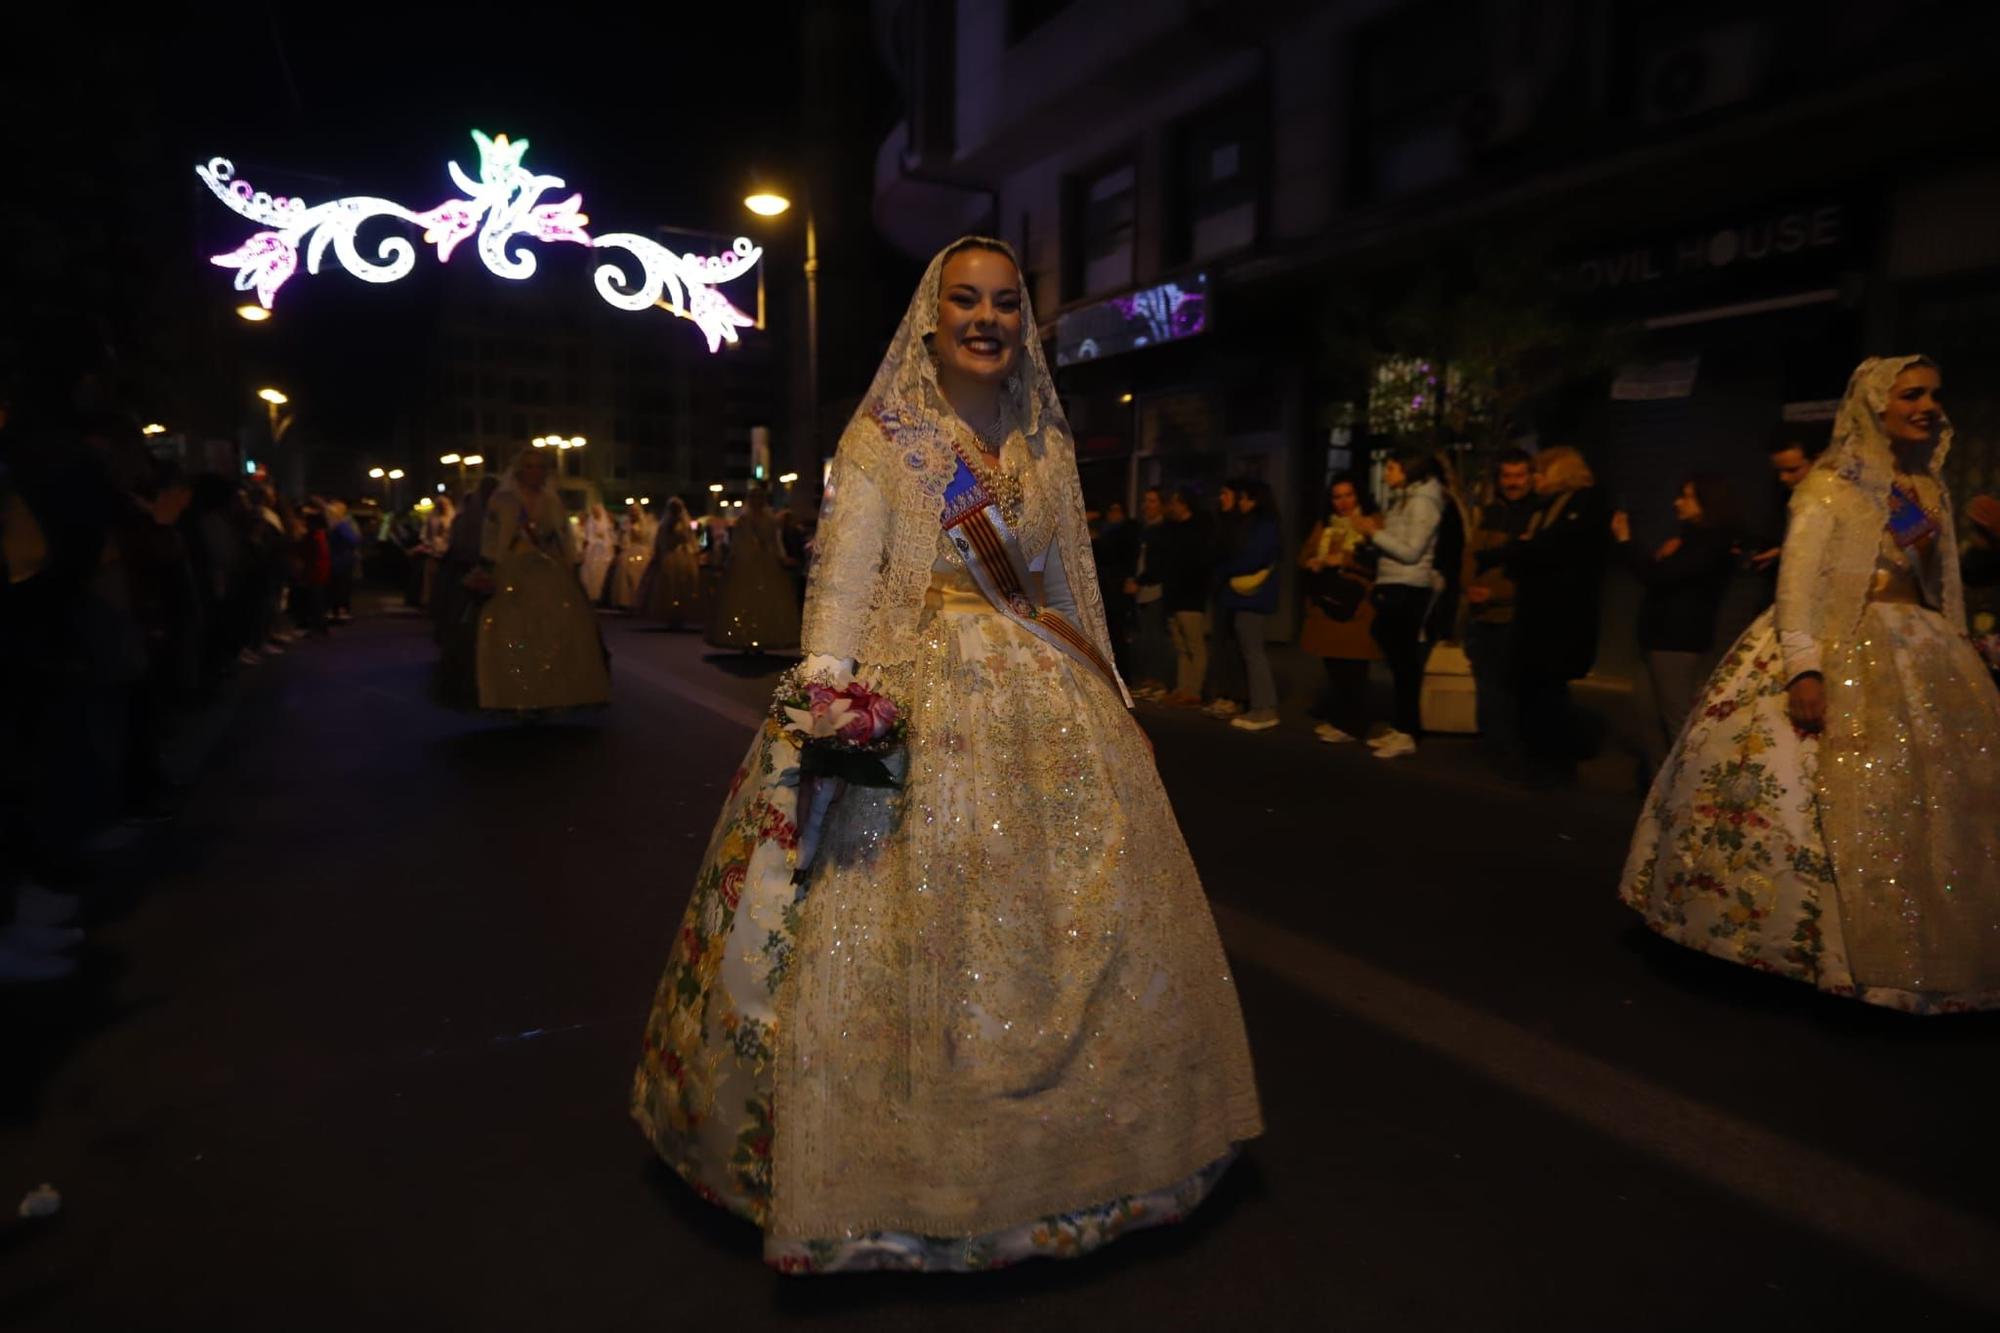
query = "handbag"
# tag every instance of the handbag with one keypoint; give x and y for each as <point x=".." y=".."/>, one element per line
<point x="1245" y="584"/>
<point x="1337" y="594"/>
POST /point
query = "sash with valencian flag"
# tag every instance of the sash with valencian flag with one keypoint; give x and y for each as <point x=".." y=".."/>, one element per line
<point x="973" y="522"/>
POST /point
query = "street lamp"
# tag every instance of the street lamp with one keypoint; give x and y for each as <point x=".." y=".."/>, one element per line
<point x="715" y="488"/>
<point x="152" y="428"/>
<point x="788" y="478"/>
<point x="376" y="474"/>
<point x="252" y="314"/>
<point x="768" y="203"/>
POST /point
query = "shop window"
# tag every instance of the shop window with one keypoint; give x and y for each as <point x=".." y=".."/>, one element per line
<point x="1104" y="225"/>
<point x="1219" y="182"/>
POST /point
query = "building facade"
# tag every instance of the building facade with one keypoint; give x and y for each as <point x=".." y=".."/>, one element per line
<point x="659" y="414"/>
<point x="1738" y="201"/>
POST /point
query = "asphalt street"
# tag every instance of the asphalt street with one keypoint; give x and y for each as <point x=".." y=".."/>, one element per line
<point x="353" y="1040"/>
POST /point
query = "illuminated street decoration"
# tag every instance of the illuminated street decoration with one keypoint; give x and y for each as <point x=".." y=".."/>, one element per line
<point x="682" y="284"/>
<point x="504" y="208"/>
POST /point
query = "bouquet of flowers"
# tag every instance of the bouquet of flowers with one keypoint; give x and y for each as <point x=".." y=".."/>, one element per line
<point x="846" y="731"/>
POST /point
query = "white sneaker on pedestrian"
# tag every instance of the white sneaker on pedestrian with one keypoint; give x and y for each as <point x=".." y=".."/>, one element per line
<point x="1395" y="745"/>
<point x="44" y="907"/>
<point x="1223" y="708"/>
<point x="18" y="967"/>
<point x="1332" y="735"/>
<point x="24" y="937"/>
<point x="1255" y="721"/>
<point x="249" y="657"/>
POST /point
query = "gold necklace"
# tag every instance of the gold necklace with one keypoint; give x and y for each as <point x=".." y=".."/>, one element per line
<point x="1005" y="487"/>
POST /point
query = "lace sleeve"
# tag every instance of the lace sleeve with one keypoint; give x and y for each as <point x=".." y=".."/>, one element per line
<point x="1802" y="574"/>
<point x="849" y="548"/>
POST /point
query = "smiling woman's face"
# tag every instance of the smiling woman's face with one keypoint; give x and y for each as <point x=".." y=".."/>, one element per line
<point x="979" y="317"/>
<point x="1915" y="413"/>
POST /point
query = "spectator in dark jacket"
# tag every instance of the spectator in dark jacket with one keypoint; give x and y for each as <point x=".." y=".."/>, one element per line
<point x="1489" y="630"/>
<point x="1114" y="544"/>
<point x="1224" y="686"/>
<point x="1557" y="568"/>
<point x="1249" y="595"/>
<point x="1185" y="548"/>
<point x="1152" y="651"/>
<point x="343" y="545"/>
<point x="1683" y="581"/>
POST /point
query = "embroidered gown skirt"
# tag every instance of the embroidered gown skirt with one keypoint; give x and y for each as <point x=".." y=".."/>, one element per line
<point x="757" y="604"/>
<point x="539" y="645"/>
<point x="995" y="1023"/>
<point x="673" y="586"/>
<point x="1737" y="847"/>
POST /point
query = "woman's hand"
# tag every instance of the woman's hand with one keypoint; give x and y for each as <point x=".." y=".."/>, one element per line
<point x="1621" y="527"/>
<point x="1807" y="703"/>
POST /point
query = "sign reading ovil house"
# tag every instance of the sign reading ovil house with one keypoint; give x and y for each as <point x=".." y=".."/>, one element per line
<point x="1767" y="253"/>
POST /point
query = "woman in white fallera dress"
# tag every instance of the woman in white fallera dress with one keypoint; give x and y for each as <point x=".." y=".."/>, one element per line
<point x="1828" y="813"/>
<point x="756" y="603"/>
<point x="539" y="646"/>
<point x="635" y="551"/>
<point x="600" y="548"/>
<point x="995" y="1021"/>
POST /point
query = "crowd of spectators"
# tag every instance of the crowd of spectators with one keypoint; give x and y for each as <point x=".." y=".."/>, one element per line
<point x="131" y="593"/>
<point x="1511" y="568"/>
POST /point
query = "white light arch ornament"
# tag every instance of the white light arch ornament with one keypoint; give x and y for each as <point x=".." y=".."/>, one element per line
<point x="504" y="208"/>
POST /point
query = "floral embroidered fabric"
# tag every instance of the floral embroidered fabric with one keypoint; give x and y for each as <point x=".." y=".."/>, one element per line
<point x="1864" y="861"/>
<point x="996" y="1022"/>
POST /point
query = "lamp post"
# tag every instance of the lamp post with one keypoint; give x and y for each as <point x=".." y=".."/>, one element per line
<point x="461" y="463"/>
<point x="563" y="445"/>
<point x="770" y="204"/>
<point x="388" y="477"/>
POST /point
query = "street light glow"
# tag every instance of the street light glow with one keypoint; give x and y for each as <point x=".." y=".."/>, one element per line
<point x="576" y="441"/>
<point x="395" y="474"/>
<point x="448" y="459"/>
<point x="788" y="478"/>
<point x="715" y="488"/>
<point x="252" y="314"/>
<point x="273" y="397"/>
<point x="767" y="205"/>
<point x="474" y="460"/>
<point x="541" y="441"/>
<point x="630" y="500"/>
<point x="1124" y="397"/>
<point x="152" y="428"/>
<point x="376" y="473"/>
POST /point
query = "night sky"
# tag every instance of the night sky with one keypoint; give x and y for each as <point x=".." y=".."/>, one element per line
<point x="656" y="122"/>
